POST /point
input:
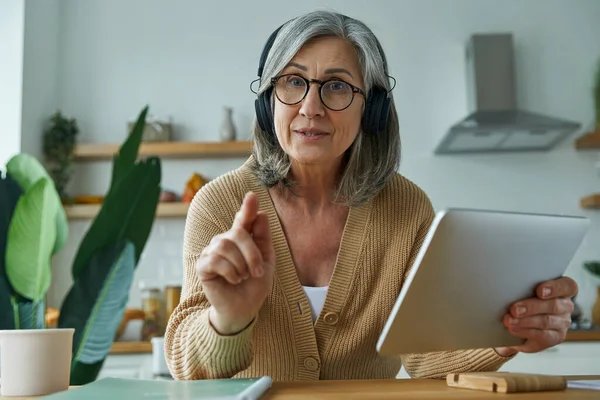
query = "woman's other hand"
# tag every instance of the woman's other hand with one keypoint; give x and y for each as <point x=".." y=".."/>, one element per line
<point x="236" y="269"/>
<point x="542" y="320"/>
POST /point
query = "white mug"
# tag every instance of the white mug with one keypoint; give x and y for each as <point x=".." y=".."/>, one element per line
<point x="35" y="362"/>
<point x="159" y="363"/>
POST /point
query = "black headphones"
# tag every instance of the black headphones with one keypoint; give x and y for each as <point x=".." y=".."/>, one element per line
<point x="377" y="106"/>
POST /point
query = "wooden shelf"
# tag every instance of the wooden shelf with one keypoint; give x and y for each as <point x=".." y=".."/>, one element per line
<point x="131" y="347"/>
<point x="89" y="211"/>
<point x="105" y="151"/>
<point x="591" y="335"/>
<point x="589" y="141"/>
<point x="591" y="201"/>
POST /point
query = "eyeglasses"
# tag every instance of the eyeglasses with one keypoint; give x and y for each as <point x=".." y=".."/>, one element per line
<point x="335" y="94"/>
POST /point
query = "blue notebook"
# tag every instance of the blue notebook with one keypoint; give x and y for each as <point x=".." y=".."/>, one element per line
<point x="138" y="389"/>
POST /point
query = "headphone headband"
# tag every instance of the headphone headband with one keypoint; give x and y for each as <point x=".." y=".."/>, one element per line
<point x="273" y="36"/>
<point x="267" y="48"/>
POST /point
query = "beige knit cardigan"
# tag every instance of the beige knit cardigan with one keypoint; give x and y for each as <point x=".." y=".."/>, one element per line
<point x="380" y="241"/>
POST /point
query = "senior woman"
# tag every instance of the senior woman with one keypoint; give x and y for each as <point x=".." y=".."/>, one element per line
<point x="293" y="262"/>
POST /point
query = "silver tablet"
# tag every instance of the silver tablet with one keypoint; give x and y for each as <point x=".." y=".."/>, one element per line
<point x="471" y="267"/>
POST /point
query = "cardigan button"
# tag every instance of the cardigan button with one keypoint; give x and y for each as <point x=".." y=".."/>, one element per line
<point x="331" y="318"/>
<point x="311" y="363"/>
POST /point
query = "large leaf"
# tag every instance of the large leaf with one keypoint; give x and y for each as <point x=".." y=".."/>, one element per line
<point x="31" y="238"/>
<point x="27" y="170"/>
<point x="82" y="374"/>
<point x="128" y="212"/>
<point x="95" y="305"/>
<point x="597" y="94"/>
<point x="10" y="191"/>
<point x="7" y="316"/>
<point x="593" y="267"/>
<point x="29" y="314"/>
<point x="142" y="215"/>
<point x="125" y="159"/>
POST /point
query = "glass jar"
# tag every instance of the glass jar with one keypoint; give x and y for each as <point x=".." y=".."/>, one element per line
<point x="153" y="313"/>
<point x="172" y="297"/>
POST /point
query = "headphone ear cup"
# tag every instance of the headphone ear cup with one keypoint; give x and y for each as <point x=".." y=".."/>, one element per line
<point x="376" y="111"/>
<point x="259" y="114"/>
<point x="366" y="119"/>
<point x="385" y="112"/>
<point x="263" y="112"/>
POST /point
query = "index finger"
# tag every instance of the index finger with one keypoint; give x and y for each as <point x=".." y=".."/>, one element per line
<point x="561" y="287"/>
<point x="245" y="217"/>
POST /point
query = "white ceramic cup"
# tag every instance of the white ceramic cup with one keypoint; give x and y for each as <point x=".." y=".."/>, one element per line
<point x="35" y="362"/>
<point x="159" y="363"/>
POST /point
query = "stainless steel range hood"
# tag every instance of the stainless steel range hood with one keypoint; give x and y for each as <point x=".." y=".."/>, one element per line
<point x="496" y="124"/>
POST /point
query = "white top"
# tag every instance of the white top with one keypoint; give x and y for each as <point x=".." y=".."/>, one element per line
<point x="316" y="299"/>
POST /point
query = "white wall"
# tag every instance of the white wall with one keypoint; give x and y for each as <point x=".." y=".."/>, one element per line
<point x="40" y="71"/>
<point x="12" y="21"/>
<point x="187" y="59"/>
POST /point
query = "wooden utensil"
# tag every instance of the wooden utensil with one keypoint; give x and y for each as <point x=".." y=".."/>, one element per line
<point x="506" y="382"/>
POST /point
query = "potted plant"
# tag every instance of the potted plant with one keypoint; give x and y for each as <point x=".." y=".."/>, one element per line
<point x="33" y="227"/>
<point x="60" y="138"/>
<point x="593" y="267"/>
<point x="597" y="96"/>
<point x="591" y="139"/>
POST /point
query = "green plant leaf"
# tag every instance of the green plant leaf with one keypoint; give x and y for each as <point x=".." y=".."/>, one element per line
<point x="30" y="314"/>
<point x="127" y="212"/>
<point x="31" y="238"/>
<point x="62" y="228"/>
<point x="10" y="192"/>
<point x="593" y="267"/>
<point x="96" y="303"/>
<point x="125" y="159"/>
<point x="82" y="374"/>
<point x="596" y="92"/>
<point x="7" y="316"/>
<point x="142" y="216"/>
<point x="27" y="170"/>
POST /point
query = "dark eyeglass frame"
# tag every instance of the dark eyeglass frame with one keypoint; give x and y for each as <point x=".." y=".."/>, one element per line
<point x="321" y="83"/>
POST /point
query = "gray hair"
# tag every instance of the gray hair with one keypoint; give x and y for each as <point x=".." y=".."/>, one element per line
<point x="373" y="158"/>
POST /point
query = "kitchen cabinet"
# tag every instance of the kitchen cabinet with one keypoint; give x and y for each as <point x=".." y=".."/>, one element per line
<point x="133" y="360"/>
<point x="133" y="366"/>
<point x="568" y="358"/>
<point x="565" y="359"/>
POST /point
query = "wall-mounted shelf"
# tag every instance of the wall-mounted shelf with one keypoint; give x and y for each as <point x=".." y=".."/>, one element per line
<point x="589" y="141"/>
<point x="105" y="151"/>
<point x="583" y="335"/>
<point x="591" y="201"/>
<point x="131" y="347"/>
<point x="89" y="211"/>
